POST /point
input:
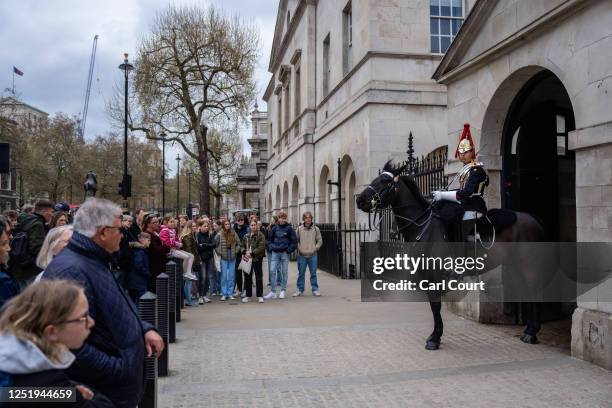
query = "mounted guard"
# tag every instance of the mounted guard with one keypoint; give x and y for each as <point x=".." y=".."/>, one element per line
<point x="473" y="180"/>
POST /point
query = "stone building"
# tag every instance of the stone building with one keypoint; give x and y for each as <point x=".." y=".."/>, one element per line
<point x="350" y="80"/>
<point x="534" y="79"/>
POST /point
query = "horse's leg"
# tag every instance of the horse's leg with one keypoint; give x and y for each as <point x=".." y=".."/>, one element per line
<point x="529" y="336"/>
<point x="433" y="341"/>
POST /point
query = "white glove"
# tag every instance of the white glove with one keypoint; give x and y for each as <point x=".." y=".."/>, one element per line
<point x="445" y="195"/>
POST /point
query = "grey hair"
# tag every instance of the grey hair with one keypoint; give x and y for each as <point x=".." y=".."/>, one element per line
<point x="45" y="256"/>
<point x="95" y="213"/>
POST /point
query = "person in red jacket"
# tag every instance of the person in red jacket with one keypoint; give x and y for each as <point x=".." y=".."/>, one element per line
<point x="169" y="238"/>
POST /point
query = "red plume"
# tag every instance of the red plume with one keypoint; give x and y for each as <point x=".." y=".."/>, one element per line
<point x="466" y="134"/>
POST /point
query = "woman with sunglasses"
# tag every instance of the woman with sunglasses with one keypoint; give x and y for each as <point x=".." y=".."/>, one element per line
<point x="38" y="328"/>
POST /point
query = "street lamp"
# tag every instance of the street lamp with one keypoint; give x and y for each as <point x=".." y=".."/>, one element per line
<point x="178" y="171"/>
<point x="163" y="172"/>
<point x="189" y="173"/>
<point x="125" y="187"/>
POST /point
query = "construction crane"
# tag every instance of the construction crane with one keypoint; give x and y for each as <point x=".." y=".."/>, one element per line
<point x="92" y="61"/>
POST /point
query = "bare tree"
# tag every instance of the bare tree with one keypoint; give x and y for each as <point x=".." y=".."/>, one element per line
<point x="193" y="72"/>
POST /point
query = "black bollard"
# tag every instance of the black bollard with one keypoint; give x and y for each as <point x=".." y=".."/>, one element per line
<point x="163" y="321"/>
<point x="148" y="313"/>
<point x="179" y="290"/>
<point x="171" y="272"/>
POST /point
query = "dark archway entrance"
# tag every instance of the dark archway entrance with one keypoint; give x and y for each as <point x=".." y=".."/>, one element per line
<point x="539" y="171"/>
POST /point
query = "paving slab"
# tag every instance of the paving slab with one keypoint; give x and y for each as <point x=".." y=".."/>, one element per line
<point x="335" y="351"/>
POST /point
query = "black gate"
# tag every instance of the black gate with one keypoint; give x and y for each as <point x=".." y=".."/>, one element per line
<point x="427" y="172"/>
<point x="352" y="236"/>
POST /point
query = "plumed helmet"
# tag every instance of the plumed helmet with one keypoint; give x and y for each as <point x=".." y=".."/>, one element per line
<point x="465" y="141"/>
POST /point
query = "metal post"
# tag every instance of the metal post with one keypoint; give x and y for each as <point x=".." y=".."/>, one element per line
<point x="126" y="67"/>
<point x="171" y="272"/>
<point x="163" y="175"/>
<point x="163" y="316"/>
<point x="148" y="313"/>
<point x="189" y="188"/>
<point x="178" y="172"/>
<point x="339" y="231"/>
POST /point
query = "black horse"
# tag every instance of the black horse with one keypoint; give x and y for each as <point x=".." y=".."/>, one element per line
<point x="413" y="215"/>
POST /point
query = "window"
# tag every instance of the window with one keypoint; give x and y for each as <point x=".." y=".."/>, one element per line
<point x="297" y="92"/>
<point x="347" y="38"/>
<point x="287" y="103"/>
<point x="326" y="69"/>
<point x="446" y="19"/>
<point x="279" y="116"/>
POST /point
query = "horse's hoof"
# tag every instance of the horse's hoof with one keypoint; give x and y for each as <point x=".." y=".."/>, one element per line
<point x="432" y="345"/>
<point x="529" y="338"/>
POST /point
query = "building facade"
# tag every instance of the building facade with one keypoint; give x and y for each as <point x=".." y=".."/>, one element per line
<point x="350" y="81"/>
<point x="534" y="79"/>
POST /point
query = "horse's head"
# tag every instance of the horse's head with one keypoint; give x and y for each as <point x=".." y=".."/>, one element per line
<point x="381" y="192"/>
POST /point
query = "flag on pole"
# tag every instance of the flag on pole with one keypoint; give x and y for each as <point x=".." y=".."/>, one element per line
<point x="16" y="71"/>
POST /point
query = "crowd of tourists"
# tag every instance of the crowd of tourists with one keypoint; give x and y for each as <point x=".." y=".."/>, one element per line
<point x="70" y="286"/>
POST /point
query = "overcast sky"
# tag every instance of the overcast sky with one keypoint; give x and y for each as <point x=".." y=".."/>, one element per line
<point x="51" y="41"/>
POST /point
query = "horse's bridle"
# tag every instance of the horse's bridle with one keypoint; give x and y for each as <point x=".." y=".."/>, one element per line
<point x="377" y="200"/>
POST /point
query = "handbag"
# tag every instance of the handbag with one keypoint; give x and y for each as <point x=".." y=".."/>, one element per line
<point x="245" y="266"/>
<point x="217" y="261"/>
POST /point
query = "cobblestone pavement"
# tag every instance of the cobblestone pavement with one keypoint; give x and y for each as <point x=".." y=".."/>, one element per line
<point x="335" y="351"/>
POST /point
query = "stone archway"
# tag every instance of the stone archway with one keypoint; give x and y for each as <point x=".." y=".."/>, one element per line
<point x="294" y="215"/>
<point x="524" y="145"/>
<point x="277" y="204"/>
<point x="348" y="189"/>
<point x="322" y="196"/>
<point x="285" y="202"/>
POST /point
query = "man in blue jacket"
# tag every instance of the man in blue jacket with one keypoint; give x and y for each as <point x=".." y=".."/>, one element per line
<point x="112" y="358"/>
<point x="282" y="241"/>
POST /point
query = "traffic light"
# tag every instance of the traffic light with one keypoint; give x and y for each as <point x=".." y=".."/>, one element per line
<point x="125" y="187"/>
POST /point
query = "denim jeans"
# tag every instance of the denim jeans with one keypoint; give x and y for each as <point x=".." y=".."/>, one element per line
<point x="311" y="263"/>
<point x="187" y="292"/>
<point x="227" y="277"/>
<point x="280" y="265"/>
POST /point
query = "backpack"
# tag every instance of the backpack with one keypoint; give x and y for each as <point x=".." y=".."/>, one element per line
<point x="20" y="247"/>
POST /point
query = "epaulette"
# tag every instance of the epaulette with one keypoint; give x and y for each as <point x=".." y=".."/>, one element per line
<point x="476" y="164"/>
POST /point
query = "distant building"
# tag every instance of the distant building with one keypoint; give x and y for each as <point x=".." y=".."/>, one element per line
<point x="251" y="172"/>
<point x="14" y="113"/>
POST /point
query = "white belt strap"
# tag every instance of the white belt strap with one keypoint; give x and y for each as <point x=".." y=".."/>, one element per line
<point x="470" y="215"/>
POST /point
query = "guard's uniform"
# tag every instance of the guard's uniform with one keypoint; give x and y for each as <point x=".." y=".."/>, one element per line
<point x="472" y="183"/>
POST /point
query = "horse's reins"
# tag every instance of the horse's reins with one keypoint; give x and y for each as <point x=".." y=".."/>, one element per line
<point x="377" y="199"/>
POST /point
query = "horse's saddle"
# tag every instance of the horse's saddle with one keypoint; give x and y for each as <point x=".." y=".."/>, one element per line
<point x="501" y="218"/>
<point x="451" y="215"/>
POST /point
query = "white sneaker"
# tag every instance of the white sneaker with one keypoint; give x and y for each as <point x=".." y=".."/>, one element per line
<point x="296" y="294"/>
<point x="231" y="298"/>
<point x="190" y="276"/>
<point x="206" y="300"/>
<point x="201" y="300"/>
<point x="243" y="294"/>
<point x="271" y="295"/>
<point x="236" y="293"/>
<point x="245" y="299"/>
<point x="316" y="293"/>
<point x="223" y="298"/>
<point x="282" y="294"/>
<point x="260" y="299"/>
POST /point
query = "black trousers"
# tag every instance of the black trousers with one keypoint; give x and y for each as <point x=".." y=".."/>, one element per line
<point x="248" y="279"/>
<point x="238" y="272"/>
